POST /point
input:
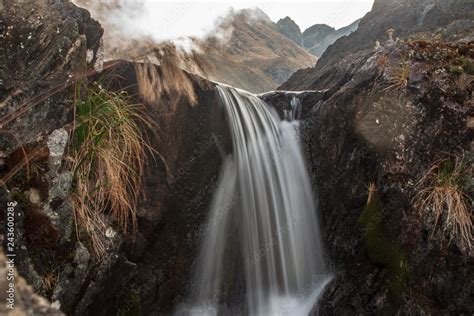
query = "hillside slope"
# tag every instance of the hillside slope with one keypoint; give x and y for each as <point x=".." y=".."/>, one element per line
<point x="430" y="19"/>
<point x="256" y="57"/>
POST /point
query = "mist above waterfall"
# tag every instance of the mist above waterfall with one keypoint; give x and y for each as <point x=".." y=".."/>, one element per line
<point x="235" y="43"/>
<point x="155" y="21"/>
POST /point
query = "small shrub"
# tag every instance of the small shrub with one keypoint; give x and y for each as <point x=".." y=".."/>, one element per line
<point x="443" y="195"/>
<point x="467" y="65"/>
<point x="456" y="70"/>
<point x="107" y="161"/>
<point x="398" y="77"/>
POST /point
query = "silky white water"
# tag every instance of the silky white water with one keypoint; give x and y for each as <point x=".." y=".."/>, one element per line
<point x="262" y="253"/>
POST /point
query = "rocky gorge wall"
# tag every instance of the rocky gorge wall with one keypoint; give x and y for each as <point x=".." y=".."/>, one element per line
<point x="384" y="114"/>
<point x="360" y="133"/>
<point x="145" y="271"/>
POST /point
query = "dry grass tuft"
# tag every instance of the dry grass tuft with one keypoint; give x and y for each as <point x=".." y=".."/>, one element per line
<point x="372" y="191"/>
<point x="149" y="82"/>
<point x="398" y="77"/>
<point x="171" y="80"/>
<point x="49" y="281"/>
<point x="107" y="160"/>
<point x="443" y="196"/>
<point x="464" y="81"/>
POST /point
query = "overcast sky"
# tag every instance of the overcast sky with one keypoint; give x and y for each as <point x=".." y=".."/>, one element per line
<point x="172" y="19"/>
<point x="336" y="13"/>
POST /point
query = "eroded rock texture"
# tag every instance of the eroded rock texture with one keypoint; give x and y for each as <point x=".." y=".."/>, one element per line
<point x="46" y="50"/>
<point x="383" y="115"/>
<point x="25" y="301"/>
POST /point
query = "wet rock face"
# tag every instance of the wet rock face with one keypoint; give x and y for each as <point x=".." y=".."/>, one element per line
<point x="389" y="113"/>
<point x="286" y="102"/>
<point x="178" y="186"/>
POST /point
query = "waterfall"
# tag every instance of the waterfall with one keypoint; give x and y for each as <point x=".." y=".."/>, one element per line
<point x="262" y="253"/>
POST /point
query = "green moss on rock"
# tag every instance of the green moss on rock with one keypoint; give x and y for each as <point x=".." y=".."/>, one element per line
<point x="380" y="247"/>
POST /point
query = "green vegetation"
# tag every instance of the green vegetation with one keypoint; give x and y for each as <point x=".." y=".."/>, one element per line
<point x="108" y="153"/>
<point x="443" y="195"/>
<point x="380" y="247"/>
<point x="467" y="65"/>
<point x="456" y="70"/>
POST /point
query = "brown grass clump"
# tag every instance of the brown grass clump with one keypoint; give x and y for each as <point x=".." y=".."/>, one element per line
<point x="372" y="190"/>
<point x="398" y="77"/>
<point x="171" y="80"/>
<point x="443" y="195"/>
<point x="107" y="160"/>
<point x="148" y="81"/>
<point x="464" y="81"/>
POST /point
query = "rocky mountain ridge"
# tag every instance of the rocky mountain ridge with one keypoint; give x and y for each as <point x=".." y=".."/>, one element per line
<point x="254" y="56"/>
<point x="426" y="19"/>
<point x="244" y="50"/>
<point x="317" y="38"/>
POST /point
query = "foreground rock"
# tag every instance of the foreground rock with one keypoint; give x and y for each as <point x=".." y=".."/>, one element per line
<point x="383" y="115"/>
<point x="147" y="270"/>
<point x="24" y="301"/>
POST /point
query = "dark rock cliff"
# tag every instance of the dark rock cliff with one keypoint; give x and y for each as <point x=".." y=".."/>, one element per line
<point x="384" y="114"/>
<point x="371" y="130"/>
<point x="148" y="270"/>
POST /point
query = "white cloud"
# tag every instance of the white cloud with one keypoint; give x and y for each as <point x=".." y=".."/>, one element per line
<point x="175" y="19"/>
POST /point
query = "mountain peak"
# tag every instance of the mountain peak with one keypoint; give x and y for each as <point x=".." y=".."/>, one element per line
<point x="320" y="28"/>
<point x="290" y="29"/>
<point x="256" y="13"/>
<point x="317" y="38"/>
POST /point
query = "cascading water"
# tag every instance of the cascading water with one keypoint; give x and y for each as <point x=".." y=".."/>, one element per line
<point x="262" y="253"/>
